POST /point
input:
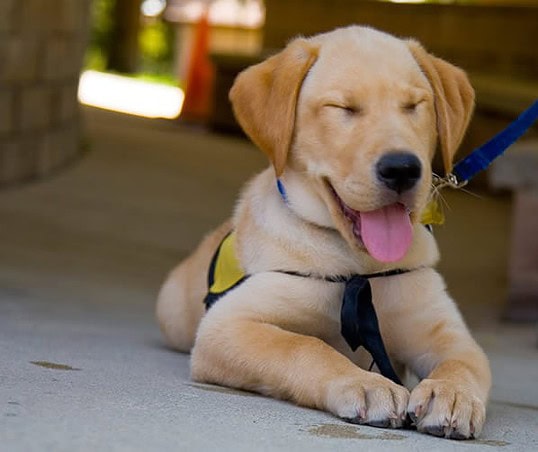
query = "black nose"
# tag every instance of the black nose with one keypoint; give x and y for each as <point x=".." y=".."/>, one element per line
<point x="399" y="171"/>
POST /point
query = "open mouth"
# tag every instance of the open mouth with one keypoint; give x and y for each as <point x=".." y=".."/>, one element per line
<point x="386" y="233"/>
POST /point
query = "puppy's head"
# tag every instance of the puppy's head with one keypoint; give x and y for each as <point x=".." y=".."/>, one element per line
<point x="358" y="114"/>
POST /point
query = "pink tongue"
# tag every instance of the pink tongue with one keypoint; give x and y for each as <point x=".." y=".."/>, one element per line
<point x="387" y="233"/>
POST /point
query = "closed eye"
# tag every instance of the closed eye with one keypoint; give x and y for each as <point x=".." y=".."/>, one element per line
<point x="348" y="109"/>
<point x="410" y="107"/>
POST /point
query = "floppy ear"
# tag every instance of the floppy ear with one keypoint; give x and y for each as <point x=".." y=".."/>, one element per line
<point x="264" y="97"/>
<point x="454" y="100"/>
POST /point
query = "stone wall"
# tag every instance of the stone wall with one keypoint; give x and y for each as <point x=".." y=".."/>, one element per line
<point x="42" y="44"/>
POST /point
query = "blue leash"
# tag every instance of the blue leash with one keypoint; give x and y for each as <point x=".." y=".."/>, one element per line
<point x="483" y="156"/>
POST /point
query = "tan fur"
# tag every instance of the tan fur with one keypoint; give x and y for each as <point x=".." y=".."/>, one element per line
<point x="454" y="100"/>
<point x="267" y="114"/>
<point x="324" y="110"/>
<point x="184" y="284"/>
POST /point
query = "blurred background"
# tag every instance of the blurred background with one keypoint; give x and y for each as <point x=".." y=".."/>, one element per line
<point x="176" y="59"/>
<point x="119" y="151"/>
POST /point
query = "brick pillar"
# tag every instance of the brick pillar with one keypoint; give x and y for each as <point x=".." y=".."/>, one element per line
<point x="42" y="44"/>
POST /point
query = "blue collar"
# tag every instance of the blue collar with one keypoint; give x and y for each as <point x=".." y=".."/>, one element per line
<point x="282" y="191"/>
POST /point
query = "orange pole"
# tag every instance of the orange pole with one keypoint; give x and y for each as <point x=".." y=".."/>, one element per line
<point x="198" y="103"/>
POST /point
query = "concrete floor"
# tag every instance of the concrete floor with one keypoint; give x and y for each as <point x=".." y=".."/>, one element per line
<point x="82" y="254"/>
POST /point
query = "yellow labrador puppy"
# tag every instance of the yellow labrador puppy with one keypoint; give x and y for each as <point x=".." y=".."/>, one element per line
<point x="350" y="121"/>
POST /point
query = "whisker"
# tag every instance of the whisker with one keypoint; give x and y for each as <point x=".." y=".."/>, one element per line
<point x="437" y="196"/>
<point x="476" y="195"/>
<point x="444" y="201"/>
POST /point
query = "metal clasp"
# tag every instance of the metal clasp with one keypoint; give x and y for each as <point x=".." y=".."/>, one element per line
<point x="450" y="180"/>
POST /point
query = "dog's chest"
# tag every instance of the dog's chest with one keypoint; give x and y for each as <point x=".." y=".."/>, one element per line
<point x="322" y="319"/>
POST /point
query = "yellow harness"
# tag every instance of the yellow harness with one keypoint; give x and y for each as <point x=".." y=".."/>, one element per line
<point x="225" y="272"/>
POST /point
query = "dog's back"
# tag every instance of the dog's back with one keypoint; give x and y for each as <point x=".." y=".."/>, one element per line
<point x="180" y="304"/>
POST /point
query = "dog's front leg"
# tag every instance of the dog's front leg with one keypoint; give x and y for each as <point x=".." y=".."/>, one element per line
<point x="430" y="336"/>
<point x="254" y="345"/>
<point x="450" y="402"/>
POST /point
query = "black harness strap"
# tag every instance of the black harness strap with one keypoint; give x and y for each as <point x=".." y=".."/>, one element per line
<point x="358" y="319"/>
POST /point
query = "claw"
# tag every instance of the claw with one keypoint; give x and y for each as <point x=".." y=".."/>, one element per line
<point x="408" y="422"/>
<point x="456" y="435"/>
<point x="435" y="430"/>
<point x="397" y="423"/>
<point x="352" y="420"/>
<point x="383" y="423"/>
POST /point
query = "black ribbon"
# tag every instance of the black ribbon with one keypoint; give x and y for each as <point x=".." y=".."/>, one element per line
<point x="359" y="325"/>
<point x="358" y="320"/>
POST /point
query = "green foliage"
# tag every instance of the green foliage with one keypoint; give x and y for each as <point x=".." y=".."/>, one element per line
<point x="163" y="79"/>
<point x="95" y="59"/>
<point x="156" y="50"/>
<point x="100" y="33"/>
<point x="155" y="39"/>
<point x="156" y="47"/>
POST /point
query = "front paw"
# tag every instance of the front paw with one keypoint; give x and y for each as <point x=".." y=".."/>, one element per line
<point x="369" y="399"/>
<point x="444" y="408"/>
